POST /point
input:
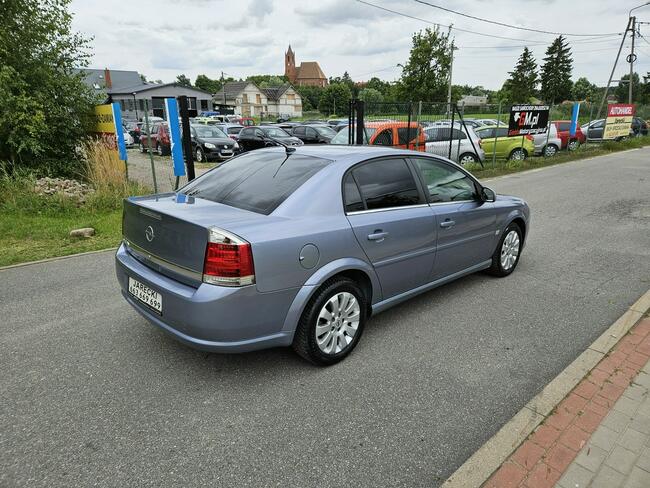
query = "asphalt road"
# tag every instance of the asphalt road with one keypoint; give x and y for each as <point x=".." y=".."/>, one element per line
<point x="92" y="395"/>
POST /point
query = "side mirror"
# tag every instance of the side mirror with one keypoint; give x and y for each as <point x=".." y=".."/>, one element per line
<point x="488" y="195"/>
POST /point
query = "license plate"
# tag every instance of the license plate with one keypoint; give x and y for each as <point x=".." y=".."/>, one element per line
<point x="146" y="295"/>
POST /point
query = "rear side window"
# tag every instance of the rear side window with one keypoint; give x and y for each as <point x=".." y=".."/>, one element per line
<point x="486" y="133"/>
<point x="351" y="195"/>
<point x="406" y="135"/>
<point x="247" y="132"/>
<point x="501" y="132"/>
<point x="258" y="182"/>
<point x="384" y="138"/>
<point x="386" y="183"/>
<point x="563" y="126"/>
<point x="299" y="131"/>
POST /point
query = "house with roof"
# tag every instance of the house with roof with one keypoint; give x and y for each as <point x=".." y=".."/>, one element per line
<point x="247" y="99"/>
<point x="128" y="89"/>
<point x="308" y="73"/>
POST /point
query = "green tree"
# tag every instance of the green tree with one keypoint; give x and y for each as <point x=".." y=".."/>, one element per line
<point x="335" y="99"/>
<point x="45" y="106"/>
<point x="310" y="96"/>
<point x="523" y="79"/>
<point x="268" y="80"/>
<point x="583" y="89"/>
<point x="207" y="84"/>
<point x="556" y="72"/>
<point x="370" y="95"/>
<point x="273" y="81"/>
<point x="183" y="80"/>
<point x="426" y="73"/>
<point x="621" y="90"/>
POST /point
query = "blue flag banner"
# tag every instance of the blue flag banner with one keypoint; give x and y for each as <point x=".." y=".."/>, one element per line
<point x="119" y="131"/>
<point x="574" y="119"/>
<point x="175" y="139"/>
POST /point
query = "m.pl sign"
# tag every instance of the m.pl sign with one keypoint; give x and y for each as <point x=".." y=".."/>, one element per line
<point x="528" y="120"/>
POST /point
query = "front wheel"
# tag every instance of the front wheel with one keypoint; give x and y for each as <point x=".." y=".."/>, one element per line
<point x="550" y="150"/>
<point x="467" y="158"/>
<point x="332" y="323"/>
<point x="506" y="255"/>
<point x="200" y="157"/>
<point x="142" y="148"/>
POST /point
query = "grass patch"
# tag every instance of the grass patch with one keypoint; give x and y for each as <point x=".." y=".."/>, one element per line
<point x="34" y="226"/>
<point x="503" y="167"/>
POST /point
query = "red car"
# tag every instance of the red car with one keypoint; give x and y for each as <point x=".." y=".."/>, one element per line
<point x="159" y="139"/>
<point x="574" y="142"/>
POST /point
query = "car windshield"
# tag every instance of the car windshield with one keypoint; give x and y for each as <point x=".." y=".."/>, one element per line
<point x="342" y="137"/>
<point x="256" y="181"/>
<point x="275" y="132"/>
<point x="209" y="131"/>
<point x="234" y="130"/>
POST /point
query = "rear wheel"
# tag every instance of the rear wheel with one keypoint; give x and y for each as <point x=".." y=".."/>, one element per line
<point x="142" y="148"/>
<point x="573" y="144"/>
<point x="467" y="158"/>
<point x="332" y="323"/>
<point x="159" y="149"/>
<point x="550" y="150"/>
<point x="506" y="255"/>
<point x="517" y="154"/>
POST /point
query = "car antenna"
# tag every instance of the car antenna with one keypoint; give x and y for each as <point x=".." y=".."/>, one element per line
<point x="287" y="148"/>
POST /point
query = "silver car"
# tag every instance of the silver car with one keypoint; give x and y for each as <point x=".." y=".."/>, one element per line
<point x="300" y="246"/>
<point x="465" y="144"/>
<point x="547" y="144"/>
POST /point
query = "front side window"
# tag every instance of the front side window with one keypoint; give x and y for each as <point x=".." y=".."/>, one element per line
<point x="486" y="133"/>
<point x="445" y="183"/>
<point x="386" y="183"/>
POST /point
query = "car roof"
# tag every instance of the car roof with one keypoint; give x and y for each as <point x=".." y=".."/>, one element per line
<point x="351" y="153"/>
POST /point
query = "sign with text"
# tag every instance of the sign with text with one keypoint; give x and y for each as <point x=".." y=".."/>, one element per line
<point x="619" y="120"/>
<point x="108" y="119"/>
<point x="528" y="120"/>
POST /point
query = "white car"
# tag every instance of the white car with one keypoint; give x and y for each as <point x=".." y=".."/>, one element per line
<point x="128" y="139"/>
<point x="549" y="148"/>
<point x="465" y="146"/>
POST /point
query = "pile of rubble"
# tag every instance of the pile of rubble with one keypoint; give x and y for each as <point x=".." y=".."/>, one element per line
<point x="68" y="188"/>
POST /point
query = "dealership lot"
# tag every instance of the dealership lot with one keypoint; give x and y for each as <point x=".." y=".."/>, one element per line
<point x="93" y="394"/>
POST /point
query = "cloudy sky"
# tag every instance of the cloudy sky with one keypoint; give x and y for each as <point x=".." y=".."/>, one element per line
<point x="162" y="38"/>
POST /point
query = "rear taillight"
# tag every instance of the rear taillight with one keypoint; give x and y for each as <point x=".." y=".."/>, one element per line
<point x="480" y="143"/>
<point x="529" y="137"/>
<point x="228" y="260"/>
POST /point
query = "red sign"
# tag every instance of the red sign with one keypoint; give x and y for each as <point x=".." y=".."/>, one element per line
<point x="620" y="110"/>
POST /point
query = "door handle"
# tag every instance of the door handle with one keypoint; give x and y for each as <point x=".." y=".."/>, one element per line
<point x="378" y="236"/>
<point x="447" y="223"/>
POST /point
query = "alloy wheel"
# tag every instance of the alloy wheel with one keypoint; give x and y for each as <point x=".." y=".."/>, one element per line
<point x="467" y="158"/>
<point x="337" y="323"/>
<point x="573" y="145"/>
<point x="509" y="250"/>
<point x="159" y="149"/>
<point x="550" y="150"/>
<point x="199" y="156"/>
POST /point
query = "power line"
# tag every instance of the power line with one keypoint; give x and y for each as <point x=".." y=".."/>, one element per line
<point x="443" y="25"/>
<point x="502" y="24"/>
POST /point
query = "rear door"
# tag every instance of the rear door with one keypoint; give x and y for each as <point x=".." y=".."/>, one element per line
<point x="392" y="222"/>
<point x="466" y="225"/>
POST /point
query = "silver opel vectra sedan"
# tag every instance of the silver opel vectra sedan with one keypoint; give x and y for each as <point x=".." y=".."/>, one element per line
<point x="299" y="246"/>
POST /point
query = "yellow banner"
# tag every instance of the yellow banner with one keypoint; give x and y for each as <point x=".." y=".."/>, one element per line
<point x="104" y="119"/>
<point x="619" y="120"/>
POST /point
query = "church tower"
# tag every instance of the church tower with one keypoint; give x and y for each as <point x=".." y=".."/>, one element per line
<point x="290" y="65"/>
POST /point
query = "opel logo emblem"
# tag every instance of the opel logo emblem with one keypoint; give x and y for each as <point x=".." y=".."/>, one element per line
<point x="149" y="233"/>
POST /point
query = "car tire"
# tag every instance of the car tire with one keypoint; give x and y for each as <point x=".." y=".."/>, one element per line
<point x="467" y="158"/>
<point x="325" y="341"/>
<point x="199" y="156"/>
<point x="506" y="255"/>
<point x="159" y="150"/>
<point x="550" y="150"/>
<point x="142" y="148"/>
<point x="517" y="154"/>
<point x="573" y="144"/>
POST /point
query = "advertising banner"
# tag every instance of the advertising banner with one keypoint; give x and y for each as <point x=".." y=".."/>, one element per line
<point x="619" y="120"/>
<point x="107" y="120"/>
<point x="574" y="119"/>
<point x="175" y="136"/>
<point x="528" y="120"/>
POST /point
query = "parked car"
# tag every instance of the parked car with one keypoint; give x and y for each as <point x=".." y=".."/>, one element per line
<point x="547" y="144"/>
<point x="265" y="136"/>
<point x="496" y="139"/>
<point x="283" y="118"/>
<point x="133" y="129"/>
<point x="277" y="248"/>
<point x="489" y="122"/>
<point x="210" y="143"/>
<point x="246" y="121"/>
<point x="232" y="130"/>
<point x="596" y="128"/>
<point x="313" y="134"/>
<point x="473" y="123"/>
<point x="128" y="139"/>
<point x="639" y="127"/>
<point x="574" y="142"/>
<point x="393" y="134"/>
<point x="159" y="137"/>
<point x="465" y="147"/>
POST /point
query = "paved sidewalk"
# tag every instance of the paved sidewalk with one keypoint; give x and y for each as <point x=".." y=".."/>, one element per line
<point x="599" y="435"/>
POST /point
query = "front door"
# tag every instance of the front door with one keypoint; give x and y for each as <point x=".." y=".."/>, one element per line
<point x="392" y="223"/>
<point x="466" y="225"/>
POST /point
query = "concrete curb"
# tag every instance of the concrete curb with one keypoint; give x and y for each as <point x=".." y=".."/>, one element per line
<point x="56" y="258"/>
<point x="491" y="455"/>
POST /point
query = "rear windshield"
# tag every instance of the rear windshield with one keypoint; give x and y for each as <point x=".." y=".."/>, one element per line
<point x="256" y="181"/>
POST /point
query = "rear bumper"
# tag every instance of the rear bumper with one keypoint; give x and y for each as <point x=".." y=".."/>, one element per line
<point x="211" y="318"/>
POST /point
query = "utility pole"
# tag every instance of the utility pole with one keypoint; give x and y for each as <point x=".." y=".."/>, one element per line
<point x="611" y="75"/>
<point x="631" y="59"/>
<point x="451" y="69"/>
